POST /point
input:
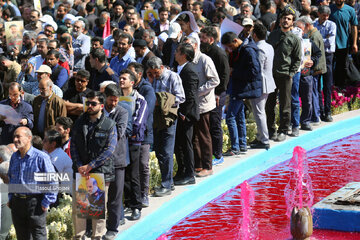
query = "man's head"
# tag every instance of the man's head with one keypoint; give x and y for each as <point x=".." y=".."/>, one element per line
<point x="53" y="45"/>
<point x="130" y="10"/>
<point x="112" y="94"/>
<point x="248" y="25"/>
<point x="44" y="72"/>
<point x="41" y="46"/>
<point x="155" y="67"/>
<point x="208" y="37"/>
<point x="323" y="13"/>
<point x="15" y="91"/>
<point x="127" y="79"/>
<point x="304" y="23"/>
<point x="52" y="58"/>
<point x="49" y="31"/>
<point x="22" y="138"/>
<point x="118" y="8"/>
<point x="61" y="11"/>
<point x="163" y="14"/>
<point x="133" y="20"/>
<point x="189" y="4"/>
<point x="129" y="29"/>
<point x="287" y="18"/>
<point x="78" y="28"/>
<point x="34" y="16"/>
<point x="184" y="53"/>
<point x="46" y="87"/>
<point x="29" y="39"/>
<point x="91" y="185"/>
<point x="259" y="32"/>
<point x="247" y="10"/>
<point x="97" y="42"/>
<point x="95" y="103"/>
<point x="4" y="63"/>
<point x="124" y="43"/>
<point x="140" y="47"/>
<point x="81" y="80"/>
<point x="192" y="41"/>
<point x="97" y="58"/>
<point x="52" y="140"/>
<point x="197" y="10"/>
<point x="175" y="31"/>
<point x="63" y="125"/>
<point x="231" y="41"/>
<point x="137" y="69"/>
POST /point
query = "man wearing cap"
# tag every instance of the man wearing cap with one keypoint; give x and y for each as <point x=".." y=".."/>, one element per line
<point x="175" y="37"/>
<point x="47" y="107"/>
<point x="143" y="53"/>
<point x="245" y="34"/>
<point x="43" y="72"/>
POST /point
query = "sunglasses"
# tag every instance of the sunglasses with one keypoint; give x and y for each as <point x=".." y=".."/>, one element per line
<point x="80" y="80"/>
<point x="88" y="103"/>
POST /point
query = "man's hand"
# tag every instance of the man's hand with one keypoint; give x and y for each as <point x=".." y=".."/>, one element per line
<point x="24" y="121"/>
<point x="84" y="170"/>
<point x="354" y="48"/>
<point x="309" y="64"/>
<point x="217" y="98"/>
<point x="16" y="51"/>
<point x="44" y="208"/>
<point x="70" y="49"/>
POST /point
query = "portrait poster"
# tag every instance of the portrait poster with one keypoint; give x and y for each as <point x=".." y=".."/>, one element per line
<point x="37" y="6"/>
<point x="14" y="34"/>
<point x="150" y="15"/>
<point x="306" y="44"/>
<point x="90" y="196"/>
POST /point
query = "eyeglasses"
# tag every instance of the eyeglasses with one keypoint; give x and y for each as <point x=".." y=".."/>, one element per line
<point x="80" y="80"/>
<point x="88" y="103"/>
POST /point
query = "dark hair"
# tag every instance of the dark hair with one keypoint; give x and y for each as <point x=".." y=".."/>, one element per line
<point x="162" y="9"/>
<point x="55" y="41"/>
<point x="228" y="38"/>
<point x="119" y="3"/>
<point x="266" y="4"/>
<point x="139" y="68"/>
<point x="98" y="39"/>
<point x="260" y="31"/>
<point x="83" y="73"/>
<point x="54" y="52"/>
<point x="36" y="12"/>
<point x="130" y="6"/>
<point x="65" y="39"/>
<point x="186" y="49"/>
<point x="99" y="54"/>
<point x="65" y="122"/>
<point x="90" y="7"/>
<point x="183" y="18"/>
<point x="94" y="94"/>
<point x="131" y="74"/>
<point x="210" y="31"/>
<point x="288" y="10"/>
<point x="112" y="90"/>
<point x="128" y="36"/>
<point x="198" y="3"/>
<point x="54" y="136"/>
<point x="37" y="143"/>
<point x="15" y="84"/>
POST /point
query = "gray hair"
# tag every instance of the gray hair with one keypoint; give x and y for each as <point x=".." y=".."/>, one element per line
<point x="154" y="63"/>
<point x="249" y="6"/>
<point x="5" y="153"/>
<point x="273" y="4"/>
<point x="30" y="34"/>
<point x="305" y="20"/>
<point x="4" y="168"/>
<point x="192" y="40"/>
<point x="106" y="83"/>
<point x="324" y="9"/>
<point x="83" y="25"/>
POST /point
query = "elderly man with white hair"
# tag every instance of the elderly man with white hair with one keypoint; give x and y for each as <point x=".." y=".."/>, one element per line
<point x="81" y="45"/>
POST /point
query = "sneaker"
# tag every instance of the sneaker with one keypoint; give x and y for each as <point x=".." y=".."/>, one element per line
<point x="328" y="118"/>
<point x="281" y="137"/>
<point x="295" y="132"/>
<point x="306" y="127"/>
<point x="231" y="153"/>
<point x="110" y="235"/>
<point x="243" y="149"/>
<point x="217" y="161"/>
<point x="145" y="202"/>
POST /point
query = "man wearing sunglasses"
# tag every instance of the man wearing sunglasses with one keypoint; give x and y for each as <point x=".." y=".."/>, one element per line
<point x="92" y="147"/>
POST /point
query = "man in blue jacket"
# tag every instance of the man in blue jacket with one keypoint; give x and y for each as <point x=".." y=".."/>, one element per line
<point x="245" y="83"/>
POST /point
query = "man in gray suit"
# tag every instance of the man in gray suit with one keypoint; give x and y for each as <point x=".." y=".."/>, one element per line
<point x="266" y="57"/>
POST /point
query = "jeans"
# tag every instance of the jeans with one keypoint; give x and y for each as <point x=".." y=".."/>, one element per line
<point x="164" y="141"/>
<point x="325" y="108"/>
<point x="306" y="87"/>
<point x="215" y="127"/>
<point x="315" y="100"/>
<point x="235" y="119"/>
<point x="295" y="101"/>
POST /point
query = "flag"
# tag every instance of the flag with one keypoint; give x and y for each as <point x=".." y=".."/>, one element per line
<point x="106" y="33"/>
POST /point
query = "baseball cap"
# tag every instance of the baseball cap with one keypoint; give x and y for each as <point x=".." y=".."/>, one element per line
<point x="44" y="69"/>
<point x="247" y="21"/>
<point x="174" y="30"/>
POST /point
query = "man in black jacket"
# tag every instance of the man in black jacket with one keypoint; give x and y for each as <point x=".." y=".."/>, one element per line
<point x="92" y="151"/>
<point x="188" y="114"/>
<point x="115" y="195"/>
<point x="209" y="47"/>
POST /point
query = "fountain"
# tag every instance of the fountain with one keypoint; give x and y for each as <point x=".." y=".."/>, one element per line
<point x="247" y="230"/>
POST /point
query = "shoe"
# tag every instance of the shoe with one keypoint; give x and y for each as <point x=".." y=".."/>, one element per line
<point x="172" y="187"/>
<point x="295" y="132"/>
<point x="316" y="122"/>
<point x="185" y="181"/>
<point x="198" y="169"/>
<point x="145" y="201"/>
<point x="231" y="153"/>
<point x="217" y="161"/>
<point x="135" y="215"/>
<point x="273" y="136"/>
<point x="204" y="173"/>
<point x="109" y="235"/>
<point x="243" y="149"/>
<point x="260" y="145"/>
<point x="306" y="127"/>
<point x="122" y="221"/>
<point x="281" y="137"/>
<point x="126" y="210"/>
<point x="87" y="234"/>
<point x="162" y="191"/>
<point x="328" y="118"/>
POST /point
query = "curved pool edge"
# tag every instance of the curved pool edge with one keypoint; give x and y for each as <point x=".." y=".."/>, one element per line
<point x="171" y="212"/>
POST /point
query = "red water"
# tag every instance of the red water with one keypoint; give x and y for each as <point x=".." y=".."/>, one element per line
<point x="331" y="167"/>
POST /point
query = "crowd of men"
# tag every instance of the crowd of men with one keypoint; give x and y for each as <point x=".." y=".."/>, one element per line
<point x="96" y="88"/>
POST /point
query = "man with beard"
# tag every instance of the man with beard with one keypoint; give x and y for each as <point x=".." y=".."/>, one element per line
<point x="59" y="74"/>
<point x="60" y="14"/>
<point x="208" y="46"/>
<point x="123" y="59"/>
<point x="287" y="58"/>
<point x="39" y="59"/>
<point x="11" y="70"/>
<point x="92" y="147"/>
<point x="63" y="126"/>
<point x="80" y="44"/>
<point x="342" y="14"/>
<point x="35" y="24"/>
<point x="29" y="44"/>
<point x="47" y="107"/>
<point x="118" y="15"/>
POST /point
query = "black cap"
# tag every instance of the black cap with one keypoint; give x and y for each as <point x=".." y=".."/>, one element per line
<point x="139" y="43"/>
<point x="114" y="24"/>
